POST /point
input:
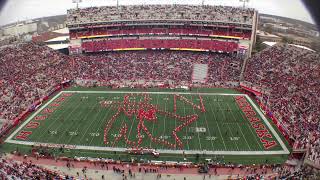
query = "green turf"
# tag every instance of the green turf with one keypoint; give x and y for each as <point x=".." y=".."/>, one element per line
<point x="79" y="121"/>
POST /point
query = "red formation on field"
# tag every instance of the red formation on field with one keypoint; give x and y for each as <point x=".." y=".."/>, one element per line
<point x="145" y="111"/>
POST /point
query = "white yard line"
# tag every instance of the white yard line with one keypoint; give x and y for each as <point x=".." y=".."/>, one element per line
<point x="239" y="127"/>
<point x="184" y="110"/>
<point x="227" y="121"/>
<point x="134" y="118"/>
<point x="66" y="129"/>
<point x="153" y="124"/>
<point x="233" y="136"/>
<point x="205" y="117"/>
<point x="197" y="126"/>
<point x="103" y="121"/>
<point x="164" y="122"/>
<point x="224" y="144"/>
<point x="92" y="121"/>
<point x="244" y="136"/>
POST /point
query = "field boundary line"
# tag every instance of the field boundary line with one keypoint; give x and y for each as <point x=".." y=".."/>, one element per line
<point x="32" y="116"/>
<point x="139" y="92"/>
<point x="99" y="148"/>
<point x="275" y="134"/>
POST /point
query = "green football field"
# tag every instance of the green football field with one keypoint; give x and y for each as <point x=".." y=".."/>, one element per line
<point x="170" y="122"/>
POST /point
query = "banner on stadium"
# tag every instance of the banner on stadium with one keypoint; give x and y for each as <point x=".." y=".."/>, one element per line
<point x="255" y="92"/>
<point x="188" y="49"/>
<point x="229" y="37"/>
<point x="129" y="49"/>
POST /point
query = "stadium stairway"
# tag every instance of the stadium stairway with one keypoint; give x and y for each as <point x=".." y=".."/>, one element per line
<point x="200" y="73"/>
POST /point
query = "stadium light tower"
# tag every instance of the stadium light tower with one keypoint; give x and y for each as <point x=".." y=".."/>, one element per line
<point x="244" y="2"/>
<point x="77" y="2"/>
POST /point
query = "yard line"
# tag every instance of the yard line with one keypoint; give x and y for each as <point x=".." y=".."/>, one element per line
<point x="226" y="119"/>
<point x="132" y="122"/>
<point x="244" y="137"/>
<point x="123" y="120"/>
<point x="92" y="121"/>
<point x="197" y="126"/>
<point x="205" y="117"/>
<point x="233" y="136"/>
<point x="101" y="124"/>
<point x="153" y="123"/>
<point x="61" y="124"/>
<point x="184" y="110"/>
<point x="54" y="122"/>
<point x="164" y="122"/>
<point x="239" y="127"/>
<point x="225" y="148"/>
<point x="80" y="124"/>
<point x="175" y="125"/>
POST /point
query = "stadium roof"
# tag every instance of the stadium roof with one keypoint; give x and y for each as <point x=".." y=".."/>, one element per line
<point x="60" y="38"/>
<point x="299" y="46"/>
<point x="269" y="43"/>
<point x="58" y="46"/>
<point x="303" y="47"/>
<point x="62" y="31"/>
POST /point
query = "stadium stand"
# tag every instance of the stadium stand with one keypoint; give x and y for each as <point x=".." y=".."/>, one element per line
<point x="291" y="78"/>
<point x="288" y="76"/>
<point x="211" y="28"/>
<point x="28" y="72"/>
<point x="289" y="73"/>
<point x="212" y="45"/>
<point x="156" y="31"/>
<point x="10" y="169"/>
<point x="160" y="12"/>
<point x="161" y="66"/>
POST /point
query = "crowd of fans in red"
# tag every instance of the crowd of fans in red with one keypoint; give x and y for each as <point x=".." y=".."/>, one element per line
<point x="289" y="75"/>
<point x="160" y="12"/>
<point x="157" y="31"/>
<point x="27" y="73"/>
<point x="291" y="78"/>
<point x="10" y="169"/>
<point x="156" y="66"/>
<point x="111" y="44"/>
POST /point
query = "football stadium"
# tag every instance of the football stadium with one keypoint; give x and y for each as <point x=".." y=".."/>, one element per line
<point x="167" y="91"/>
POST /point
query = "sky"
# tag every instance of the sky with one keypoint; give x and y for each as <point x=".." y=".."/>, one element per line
<point x="19" y="10"/>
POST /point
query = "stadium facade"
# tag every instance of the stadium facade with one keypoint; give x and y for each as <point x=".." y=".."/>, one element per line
<point x="175" y="27"/>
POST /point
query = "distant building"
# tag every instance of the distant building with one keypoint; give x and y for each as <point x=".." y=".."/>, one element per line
<point x="264" y="36"/>
<point x="20" y="29"/>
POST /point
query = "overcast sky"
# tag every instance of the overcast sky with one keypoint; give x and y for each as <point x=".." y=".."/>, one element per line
<point x="15" y="10"/>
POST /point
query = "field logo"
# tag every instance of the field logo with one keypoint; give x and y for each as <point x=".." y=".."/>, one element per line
<point x="143" y="110"/>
